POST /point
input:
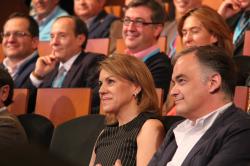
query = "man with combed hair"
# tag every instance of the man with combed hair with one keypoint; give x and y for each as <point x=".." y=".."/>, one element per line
<point x="215" y="131"/>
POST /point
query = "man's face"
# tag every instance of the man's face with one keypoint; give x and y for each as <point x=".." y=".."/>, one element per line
<point x="17" y="41"/>
<point x="64" y="42"/>
<point x="44" y="7"/>
<point x="191" y="89"/>
<point x="86" y="9"/>
<point x="138" y="36"/>
<point x="182" y="6"/>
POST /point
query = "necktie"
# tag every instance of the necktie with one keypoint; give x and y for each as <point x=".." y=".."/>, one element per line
<point x="57" y="83"/>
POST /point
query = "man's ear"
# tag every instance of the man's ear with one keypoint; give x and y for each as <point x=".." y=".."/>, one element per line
<point x="215" y="83"/>
<point x="158" y="30"/>
<point x="4" y="92"/>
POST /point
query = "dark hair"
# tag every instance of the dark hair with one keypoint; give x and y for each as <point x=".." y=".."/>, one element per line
<point x="33" y="26"/>
<point x="158" y="12"/>
<point x="216" y="59"/>
<point x="5" y="79"/>
<point x="80" y="27"/>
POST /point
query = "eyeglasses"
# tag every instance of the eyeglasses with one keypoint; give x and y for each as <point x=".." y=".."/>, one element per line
<point x="137" y="22"/>
<point x="17" y="34"/>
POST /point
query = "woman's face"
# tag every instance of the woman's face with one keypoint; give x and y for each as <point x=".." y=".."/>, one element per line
<point x="195" y="34"/>
<point x="116" y="93"/>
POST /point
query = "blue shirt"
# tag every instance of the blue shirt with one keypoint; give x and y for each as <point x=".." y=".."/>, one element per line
<point x="46" y="24"/>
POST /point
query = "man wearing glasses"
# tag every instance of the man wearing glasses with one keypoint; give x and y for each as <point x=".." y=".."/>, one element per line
<point x="19" y="44"/>
<point x="142" y="25"/>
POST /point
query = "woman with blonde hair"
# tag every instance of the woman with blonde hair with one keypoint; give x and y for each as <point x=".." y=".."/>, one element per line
<point x="128" y="93"/>
<point x="202" y="26"/>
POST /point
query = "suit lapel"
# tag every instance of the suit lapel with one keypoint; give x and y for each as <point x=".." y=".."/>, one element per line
<point x="25" y="72"/>
<point x="71" y="75"/>
<point x="219" y="122"/>
<point x="97" y="21"/>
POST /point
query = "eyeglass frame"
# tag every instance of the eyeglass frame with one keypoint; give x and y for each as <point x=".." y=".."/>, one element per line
<point x="138" y="22"/>
<point x="18" y="34"/>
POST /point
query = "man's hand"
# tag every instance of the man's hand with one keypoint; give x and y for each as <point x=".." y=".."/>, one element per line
<point x="229" y="8"/>
<point x="44" y="65"/>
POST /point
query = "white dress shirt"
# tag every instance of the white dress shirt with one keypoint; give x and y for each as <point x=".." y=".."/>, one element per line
<point x="188" y="133"/>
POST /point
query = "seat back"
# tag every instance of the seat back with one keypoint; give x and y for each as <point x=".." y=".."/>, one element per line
<point x="241" y="97"/>
<point x="162" y="44"/>
<point x="63" y="104"/>
<point x="74" y="140"/>
<point x="246" y="47"/>
<point x="39" y="129"/>
<point x="114" y="9"/>
<point x="20" y="102"/>
<point x="98" y="46"/>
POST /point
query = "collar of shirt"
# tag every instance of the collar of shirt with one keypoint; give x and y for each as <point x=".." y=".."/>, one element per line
<point x="144" y="53"/>
<point x="46" y="19"/>
<point x="188" y="133"/>
<point x="3" y="109"/>
<point x="89" y="21"/>
<point x="67" y="65"/>
<point x="14" y="70"/>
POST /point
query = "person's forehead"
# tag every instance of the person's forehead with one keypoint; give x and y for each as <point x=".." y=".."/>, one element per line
<point x="139" y="12"/>
<point x="20" y="23"/>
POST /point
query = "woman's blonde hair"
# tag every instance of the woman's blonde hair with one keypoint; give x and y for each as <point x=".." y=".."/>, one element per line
<point x="134" y="70"/>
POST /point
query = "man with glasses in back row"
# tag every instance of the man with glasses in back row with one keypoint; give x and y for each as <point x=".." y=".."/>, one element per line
<point x="142" y="25"/>
<point x="19" y="44"/>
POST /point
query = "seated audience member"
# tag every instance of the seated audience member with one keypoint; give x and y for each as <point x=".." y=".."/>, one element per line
<point x="96" y="18"/>
<point x="136" y="134"/>
<point x="142" y="25"/>
<point x="215" y="131"/>
<point x="68" y="66"/>
<point x="116" y="28"/>
<point x="19" y="43"/>
<point x="237" y="14"/>
<point x="170" y="27"/>
<point x="46" y="12"/>
<point x="202" y="26"/>
<point x="11" y="131"/>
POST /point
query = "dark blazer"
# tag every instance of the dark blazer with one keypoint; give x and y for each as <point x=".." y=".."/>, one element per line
<point x="100" y="26"/>
<point x="232" y="22"/>
<point x="161" y="70"/>
<point x="11" y="131"/>
<point x="226" y="142"/>
<point x="24" y="73"/>
<point x="84" y="72"/>
<point x="22" y="80"/>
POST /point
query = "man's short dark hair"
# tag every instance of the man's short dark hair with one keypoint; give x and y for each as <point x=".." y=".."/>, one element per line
<point x="80" y="28"/>
<point x="33" y="26"/>
<point x="216" y="59"/>
<point x="158" y="12"/>
<point x="5" y="79"/>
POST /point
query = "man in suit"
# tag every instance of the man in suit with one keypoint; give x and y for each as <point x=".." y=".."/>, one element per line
<point x="237" y="14"/>
<point x="19" y="44"/>
<point x="142" y="25"/>
<point x="45" y="13"/>
<point x="11" y="131"/>
<point x="68" y="66"/>
<point x="215" y="132"/>
<point x="93" y="14"/>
